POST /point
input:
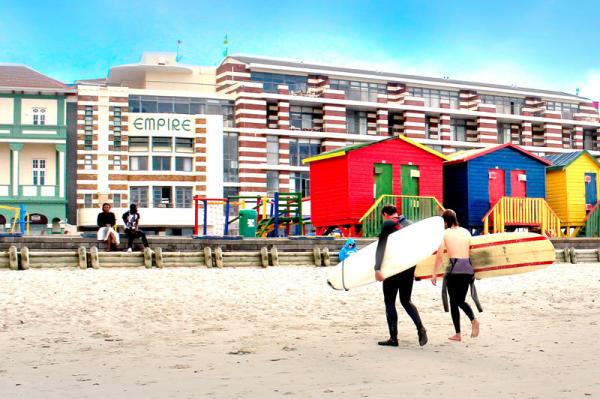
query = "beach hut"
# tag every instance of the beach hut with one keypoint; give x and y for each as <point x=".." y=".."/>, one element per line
<point x="572" y="189"/>
<point x="502" y="187"/>
<point x="348" y="186"/>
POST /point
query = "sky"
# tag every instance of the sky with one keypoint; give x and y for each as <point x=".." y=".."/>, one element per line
<point x="548" y="44"/>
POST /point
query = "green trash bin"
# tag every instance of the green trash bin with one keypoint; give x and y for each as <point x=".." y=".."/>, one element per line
<point x="248" y="222"/>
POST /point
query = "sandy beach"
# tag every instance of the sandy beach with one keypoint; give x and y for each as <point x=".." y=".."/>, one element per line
<point x="282" y="332"/>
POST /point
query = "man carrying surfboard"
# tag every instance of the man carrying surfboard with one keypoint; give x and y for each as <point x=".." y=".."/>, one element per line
<point x="459" y="274"/>
<point x="400" y="283"/>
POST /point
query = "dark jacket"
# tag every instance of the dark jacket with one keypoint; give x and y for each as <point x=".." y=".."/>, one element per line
<point x="105" y="218"/>
<point x="388" y="227"/>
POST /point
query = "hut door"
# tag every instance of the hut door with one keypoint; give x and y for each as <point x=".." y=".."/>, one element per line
<point x="496" y="185"/>
<point x="591" y="191"/>
<point x="410" y="180"/>
<point x="383" y="180"/>
<point x="518" y="183"/>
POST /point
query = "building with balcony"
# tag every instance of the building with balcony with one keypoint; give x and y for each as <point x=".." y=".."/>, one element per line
<point x="253" y="120"/>
<point x="33" y="137"/>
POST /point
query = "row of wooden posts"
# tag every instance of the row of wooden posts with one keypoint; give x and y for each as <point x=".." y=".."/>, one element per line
<point x="24" y="259"/>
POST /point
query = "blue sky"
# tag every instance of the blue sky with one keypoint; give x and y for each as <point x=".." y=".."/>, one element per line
<point x="542" y="44"/>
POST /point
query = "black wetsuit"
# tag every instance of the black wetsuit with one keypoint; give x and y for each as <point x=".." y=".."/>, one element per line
<point x="458" y="280"/>
<point x="400" y="283"/>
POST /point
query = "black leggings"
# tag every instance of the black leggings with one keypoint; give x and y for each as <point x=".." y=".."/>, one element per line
<point x="402" y="283"/>
<point x="458" y="285"/>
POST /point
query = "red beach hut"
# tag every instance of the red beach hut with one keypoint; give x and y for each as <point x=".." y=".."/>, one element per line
<point x="349" y="186"/>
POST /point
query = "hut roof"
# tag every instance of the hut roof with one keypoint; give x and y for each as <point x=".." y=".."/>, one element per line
<point x="562" y="161"/>
<point x="465" y="156"/>
<point x="343" y="151"/>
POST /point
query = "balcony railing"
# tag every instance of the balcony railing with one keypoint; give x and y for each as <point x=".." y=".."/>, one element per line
<point x="38" y="191"/>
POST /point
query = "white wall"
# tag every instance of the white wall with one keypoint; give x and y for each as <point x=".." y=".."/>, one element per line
<point x="6" y="110"/>
<point x="4" y="164"/>
<point x="27" y="104"/>
<point x="214" y="156"/>
<point x="37" y="151"/>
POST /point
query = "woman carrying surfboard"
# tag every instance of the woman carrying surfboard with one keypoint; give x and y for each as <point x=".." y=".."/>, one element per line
<point x="459" y="274"/>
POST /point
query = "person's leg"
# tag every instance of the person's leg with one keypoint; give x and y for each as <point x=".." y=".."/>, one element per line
<point x="465" y="281"/>
<point x="406" y="280"/>
<point x="453" y="293"/>
<point x="109" y="239"/>
<point x="144" y="239"/>
<point x="129" y="234"/>
<point x="390" y="290"/>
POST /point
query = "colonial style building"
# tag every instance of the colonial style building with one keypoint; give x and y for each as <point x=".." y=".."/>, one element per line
<point x="33" y="137"/>
<point x="158" y="132"/>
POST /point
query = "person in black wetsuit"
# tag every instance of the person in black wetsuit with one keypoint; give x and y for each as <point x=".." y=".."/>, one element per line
<point x="400" y="283"/>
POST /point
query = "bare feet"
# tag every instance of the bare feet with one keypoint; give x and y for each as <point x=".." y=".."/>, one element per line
<point x="474" y="328"/>
<point x="455" y="337"/>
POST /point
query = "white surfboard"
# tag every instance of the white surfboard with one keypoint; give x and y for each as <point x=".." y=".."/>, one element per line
<point x="405" y="248"/>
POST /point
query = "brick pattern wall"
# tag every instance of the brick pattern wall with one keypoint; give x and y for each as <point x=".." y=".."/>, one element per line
<point x="487" y="127"/>
<point x="230" y="72"/>
<point x="553" y="131"/>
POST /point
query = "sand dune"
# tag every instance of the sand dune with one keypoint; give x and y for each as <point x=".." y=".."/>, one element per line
<point x="282" y="332"/>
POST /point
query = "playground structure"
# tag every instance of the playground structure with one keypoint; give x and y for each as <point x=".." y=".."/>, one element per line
<point x="414" y="208"/>
<point x="20" y="220"/>
<point x="275" y="216"/>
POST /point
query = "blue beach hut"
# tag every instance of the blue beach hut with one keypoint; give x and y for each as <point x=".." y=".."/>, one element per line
<point x="503" y="176"/>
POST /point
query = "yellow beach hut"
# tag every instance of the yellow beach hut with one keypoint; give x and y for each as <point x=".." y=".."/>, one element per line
<point x="572" y="188"/>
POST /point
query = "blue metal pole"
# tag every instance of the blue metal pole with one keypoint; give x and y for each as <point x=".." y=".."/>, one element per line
<point x="276" y="221"/>
<point x="226" y="232"/>
<point x="22" y="216"/>
<point x="205" y="202"/>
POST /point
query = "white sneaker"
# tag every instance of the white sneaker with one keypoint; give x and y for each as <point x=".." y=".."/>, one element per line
<point x="128" y="249"/>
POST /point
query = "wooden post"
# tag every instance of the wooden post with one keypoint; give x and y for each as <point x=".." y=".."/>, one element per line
<point x="573" y="255"/>
<point x="95" y="262"/>
<point x="13" y="258"/>
<point x="317" y="256"/>
<point x="274" y="257"/>
<point x="159" y="258"/>
<point x="218" y="257"/>
<point x="82" y="258"/>
<point x="325" y="253"/>
<point x="24" y="258"/>
<point x="208" y="262"/>
<point x="147" y="258"/>
<point x="264" y="257"/>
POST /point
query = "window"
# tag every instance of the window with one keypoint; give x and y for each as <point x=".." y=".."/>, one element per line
<point x="589" y="139"/>
<point x="117" y="200"/>
<point x="272" y="181"/>
<point x="87" y="161"/>
<point x="39" y="172"/>
<point x="117" y="162"/>
<point x="230" y="157"/>
<point x="117" y="128"/>
<point x="303" y="149"/>
<point x="138" y="163"/>
<point x="183" y="197"/>
<point x="162" y="143"/>
<point x="161" y="197"/>
<point x="427" y="127"/>
<point x="504" y="105"/>
<point x="300" y="182"/>
<point x="183" y="164"/>
<point x="183" y="144"/>
<point x="566" y="109"/>
<point x="181" y="105"/>
<point x="356" y="122"/>
<point x="87" y="201"/>
<point x="270" y="81"/>
<point x="88" y="133"/>
<point x="138" y="196"/>
<point x="138" y="143"/>
<point x="39" y="116"/>
<point x="228" y="115"/>
<point x="301" y="117"/>
<point x="432" y="97"/>
<point x="504" y="133"/>
<point x="458" y="130"/>
<point x="272" y="150"/>
<point x="161" y="163"/>
<point x="360" y="91"/>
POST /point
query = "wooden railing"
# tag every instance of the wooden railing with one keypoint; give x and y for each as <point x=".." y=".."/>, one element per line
<point x="522" y="212"/>
<point x="413" y="207"/>
<point x="591" y="222"/>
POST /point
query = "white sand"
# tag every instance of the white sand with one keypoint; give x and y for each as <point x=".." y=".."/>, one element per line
<point x="282" y="332"/>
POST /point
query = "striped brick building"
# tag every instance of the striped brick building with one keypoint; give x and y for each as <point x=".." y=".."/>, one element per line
<point x="255" y="119"/>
